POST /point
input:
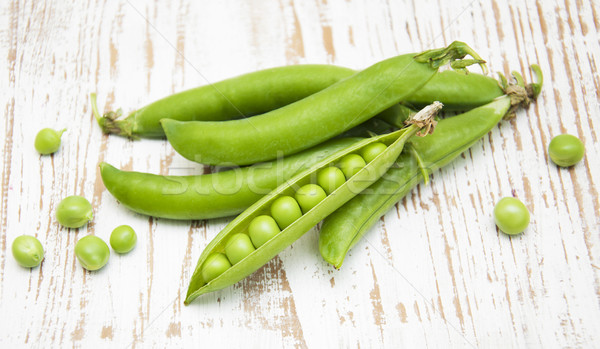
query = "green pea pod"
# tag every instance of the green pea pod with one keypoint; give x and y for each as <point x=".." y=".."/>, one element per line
<point x="270" y="89"/>
<point x="214" y="195"/>
<point x="344" y="228"/>
<point x="314" y="119"/>
<point x="245" y="95"/>
<point x="457" y="91"/>
<point x="243" y="266"/>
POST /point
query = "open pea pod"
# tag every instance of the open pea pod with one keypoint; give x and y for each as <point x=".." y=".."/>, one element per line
<point x="352" y="186"/>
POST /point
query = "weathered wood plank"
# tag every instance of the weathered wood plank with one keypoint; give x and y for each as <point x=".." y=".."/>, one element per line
<point x="432" y="272"/>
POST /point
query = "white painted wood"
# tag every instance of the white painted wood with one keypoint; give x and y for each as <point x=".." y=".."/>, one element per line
<point x="432" y="273"/>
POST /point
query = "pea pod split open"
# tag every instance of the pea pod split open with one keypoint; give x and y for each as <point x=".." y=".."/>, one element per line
<point x="344" y="228"/>
<point x="219" y="266"/>
<point x="316" y="118"/>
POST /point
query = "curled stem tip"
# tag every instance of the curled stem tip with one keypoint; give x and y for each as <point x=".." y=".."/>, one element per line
<point x="518" y="78"/>
<point x="425" y="118"/>
<point x="502" y="81"/>
<point x="453" y="54"/>
<point x="535" y="88"/>
<point x="521" y="94"/>
<point x="95" y="107"/>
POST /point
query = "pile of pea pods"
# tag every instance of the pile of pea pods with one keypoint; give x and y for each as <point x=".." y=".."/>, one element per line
<point x="309" y="143"/>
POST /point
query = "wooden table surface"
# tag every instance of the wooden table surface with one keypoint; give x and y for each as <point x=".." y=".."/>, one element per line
<point x="433" y="272"/>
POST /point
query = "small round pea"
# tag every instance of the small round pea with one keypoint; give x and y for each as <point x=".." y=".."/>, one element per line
<point x="309" y="196"/>
<point x="123" y="239"/>
<point x="28" y="251"/>
<point x="74" y="211"/>
<point x="285" y="210"/>
<point x="566" y="150"/>
<point x="351" y="164"/>
<point x="371" y="151"/>
<point x="511" y="216"/>
<point x="238" y="247"/>
<point x="92" y="252"/>
<point x="214" y="265"/>
<point x="330" y="178"/>
<point x="47" y="141"/>
<point x="262" y="229"/>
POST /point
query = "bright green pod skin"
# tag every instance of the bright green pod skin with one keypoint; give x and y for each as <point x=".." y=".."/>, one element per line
<point x="244" y="96"/>
<point x="214" y="195"/>
<point x="28" y="251"/>
<point x="457" y="91"/>
<point x="201" y="285"/>
<point x="92" y="252"/>
<point x="234" y="98"/>
<point x="346" y="226"/>
<point x="314" y="119"/>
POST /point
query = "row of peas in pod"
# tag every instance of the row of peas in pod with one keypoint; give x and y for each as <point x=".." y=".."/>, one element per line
<point x="287" y="209"/>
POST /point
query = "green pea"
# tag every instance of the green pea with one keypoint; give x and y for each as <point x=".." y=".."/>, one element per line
<point x="511" y="216"/>
<point x="238" y="247"/>
<point x="215" y="265"/>
<point x="330" y="178"/>
<point x="309" y="196"/>
<point x="351" y="164"/>
<point x="371" y="151"/>
<point x="123" y="239"/>
<point x="285" y="210"/>
<point x="74" y="211"/>
<point x="566" y="150"/>
<point x="47" y="140"/>
<point x="28" y="251"/>
<point x="262" y="229"/>
<point x="92" y="252"/>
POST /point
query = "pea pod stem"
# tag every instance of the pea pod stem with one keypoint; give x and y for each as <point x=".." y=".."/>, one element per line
<point x="355" y="184"/>
<point x="345" y="227"/>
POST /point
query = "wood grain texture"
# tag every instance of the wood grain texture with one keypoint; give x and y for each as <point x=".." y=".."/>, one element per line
<point x="433" y="273"/>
